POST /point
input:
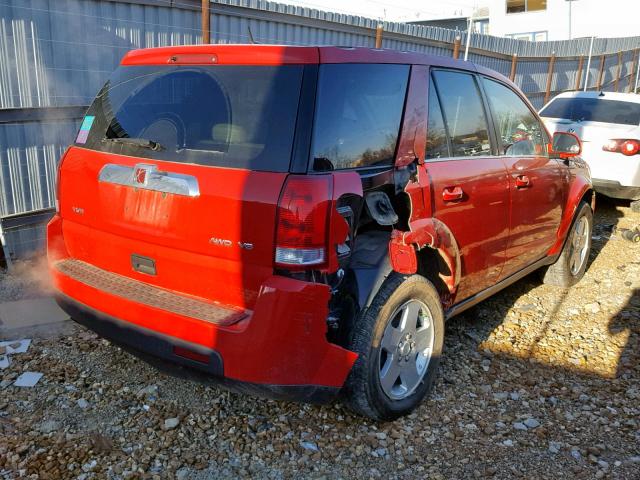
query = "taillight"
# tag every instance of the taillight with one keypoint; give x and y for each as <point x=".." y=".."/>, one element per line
<point x="625" y="146"/>
<point x="303" y="221"/>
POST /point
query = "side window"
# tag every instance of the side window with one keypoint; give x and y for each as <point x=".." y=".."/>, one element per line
<point x="358" y="114"/>
<point x="437" y="144"/>
<point x="463" y="113"/>
<point x="519" y="130"/>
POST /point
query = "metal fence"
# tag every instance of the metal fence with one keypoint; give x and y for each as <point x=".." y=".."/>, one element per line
<point x="56" y="54"/>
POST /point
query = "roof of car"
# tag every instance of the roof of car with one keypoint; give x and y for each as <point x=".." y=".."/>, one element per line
<point x="621" y="97"/>
<point x="228" y="54"/>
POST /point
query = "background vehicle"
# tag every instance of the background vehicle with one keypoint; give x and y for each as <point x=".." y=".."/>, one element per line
<point x="301" y="221"/>
<point x="608" y="124"/>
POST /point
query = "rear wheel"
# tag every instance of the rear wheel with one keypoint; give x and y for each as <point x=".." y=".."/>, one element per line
<point x="399" y="341"/>
<point x="572" y="262"/>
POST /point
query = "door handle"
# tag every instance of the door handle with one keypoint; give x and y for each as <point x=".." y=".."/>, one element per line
<point x="522" y="181"/>
<point x="451" y="194"/>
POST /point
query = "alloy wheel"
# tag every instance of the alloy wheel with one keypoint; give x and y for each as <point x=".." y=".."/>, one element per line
<point x="406" y="349"/>
<point x="579" y="245"/>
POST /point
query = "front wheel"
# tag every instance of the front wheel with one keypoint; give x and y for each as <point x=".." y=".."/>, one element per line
<point x="399" y="341"/>
<point x="570" y="266"/>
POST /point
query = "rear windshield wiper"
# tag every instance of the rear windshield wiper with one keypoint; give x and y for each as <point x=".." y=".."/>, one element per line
<point x="137" y="142"/>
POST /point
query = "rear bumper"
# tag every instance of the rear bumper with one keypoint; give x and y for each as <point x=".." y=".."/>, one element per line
<point x="614" y="189"/>
<point x="158" y="350"/>
<point x="279" y="348"/>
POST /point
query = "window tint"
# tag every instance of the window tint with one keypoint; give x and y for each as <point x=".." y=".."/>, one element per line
<point x="519" y="130"/>
<point x="594" y="110"/>
<point x="464" y="114"/>
<point x="437" y="145"/>
<point x="358" y="113"/>
<point x="223" y="115"/>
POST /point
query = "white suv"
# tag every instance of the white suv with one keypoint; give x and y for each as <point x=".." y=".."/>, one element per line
<point x="609" y="126"/>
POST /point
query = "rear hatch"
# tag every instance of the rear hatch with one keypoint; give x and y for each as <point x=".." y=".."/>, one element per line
<point x="176" y="172"/>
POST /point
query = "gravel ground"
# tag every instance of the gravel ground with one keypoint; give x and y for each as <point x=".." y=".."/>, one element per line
<point x="536" y="383"/>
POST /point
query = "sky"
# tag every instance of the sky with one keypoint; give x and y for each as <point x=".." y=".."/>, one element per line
<point x="390" y="10"/>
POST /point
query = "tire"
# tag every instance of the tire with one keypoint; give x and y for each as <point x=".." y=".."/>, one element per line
<point x="564" y="272"/>
<point x="376" y="329"/>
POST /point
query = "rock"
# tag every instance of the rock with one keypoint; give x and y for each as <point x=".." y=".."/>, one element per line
<point x="519" y="426"/>
<point x="148" y="391"/>
<point x="554" y="447"/>
<point x="592" y="307"/>
<point x="82" y="403"/>
<point x="532" y="423"/>
<point x="508" y="443"/>
<point x="89" y="466"/>
<point x="170" y="423"/>
<point x="49" y="426"/>
<point x="310" y="446"/>
<point x="182" y="473"/>
<point x="379" y="452"/>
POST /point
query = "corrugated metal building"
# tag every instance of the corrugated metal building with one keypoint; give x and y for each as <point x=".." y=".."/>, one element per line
<point x="56" y="54"/>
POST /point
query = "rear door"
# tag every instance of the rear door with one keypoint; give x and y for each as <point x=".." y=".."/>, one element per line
<point x="175" y="176"/>
<point x="470" y="191"/>
<point x="536" y="182"/>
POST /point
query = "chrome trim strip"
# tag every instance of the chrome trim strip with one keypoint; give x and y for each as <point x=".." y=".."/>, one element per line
<point x="152" y="179"/>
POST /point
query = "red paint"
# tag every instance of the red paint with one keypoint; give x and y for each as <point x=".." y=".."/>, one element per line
<point x="486" y="216"/>
<point x="578" y="184"/>
<point x="223" y="55"/>
<point x="402" y="255"/>
<point x="496" y="215"/>
<point x="536" y="208"/>
<point x="479" y="221"/>
<point x="282" y="342"/>
<point x="234" y="204"/>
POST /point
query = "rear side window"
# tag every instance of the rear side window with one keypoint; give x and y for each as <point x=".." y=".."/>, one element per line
<point x="437" y="144"/>
<point x="463" y="113"/>
<point x="594" y="110"/>
<point x="222" y="115"/>
<point x="358" y="114"/>
<point x="519" y="130"/>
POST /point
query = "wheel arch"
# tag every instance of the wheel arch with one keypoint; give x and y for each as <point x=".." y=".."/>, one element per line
<point x="433" y="252"/>
<point x="580" y="191"/>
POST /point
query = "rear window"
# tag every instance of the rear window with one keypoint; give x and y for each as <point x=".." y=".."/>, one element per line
<point x="594" y="110"/>
<point x="222" y="115"/>
<point x="358" y="114"/>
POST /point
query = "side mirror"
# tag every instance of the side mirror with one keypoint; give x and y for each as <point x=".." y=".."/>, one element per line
<point x="565" y="145"/>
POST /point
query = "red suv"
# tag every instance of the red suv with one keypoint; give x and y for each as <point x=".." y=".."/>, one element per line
<point x="300" y="221"/>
